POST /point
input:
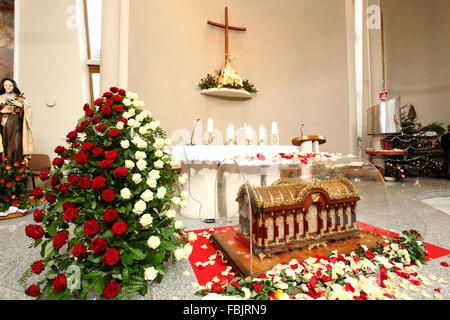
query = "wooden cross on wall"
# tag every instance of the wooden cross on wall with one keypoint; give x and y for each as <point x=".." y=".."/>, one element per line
<point x="226" y="27"/>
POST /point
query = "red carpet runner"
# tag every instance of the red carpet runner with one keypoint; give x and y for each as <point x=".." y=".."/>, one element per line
<point x="207" y="264"/>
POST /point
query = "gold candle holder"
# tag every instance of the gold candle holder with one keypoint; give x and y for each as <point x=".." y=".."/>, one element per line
<point x="210" y="138"/>
<point x="261" y="142"/>
<point x="274" y="139"/>
<point x="248" y="141"/>
<point x="231" y="142"/>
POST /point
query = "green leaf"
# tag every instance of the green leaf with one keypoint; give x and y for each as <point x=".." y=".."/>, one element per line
<point x="167" y="232"/>
<point x="99" y="285"/>
<point x="161" y="269"/>
<point x="78" y="231"/>
<point x="94" y="204"/>
<point x="126" y="259"/>
<point x="52" y="229"/>
<point x="126" y="275"/>
<point x="92" y="275"/>
<point x="168" y="245"/>
<point x="137" y="254"/>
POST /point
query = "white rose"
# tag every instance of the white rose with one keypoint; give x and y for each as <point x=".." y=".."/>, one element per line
<point x="129" y="164"/>
<point x="150" y="274"/>
<point x="125" y="144"/>
<point x="154" y="174"/>
<point x="119" y="125"/>
<point x="137" y="178"/>
<point x="153" y="125"/>
<point x="168" y="142"/>
<point x="133" y="123"/>
<point x="139" y="155"/>
<point x="192" y="236"/>
<point x="179" y="254"/>
<point x="143" y="130"/>
<point x="171" y="213"/>
<point x="131" y="95"/>
<point x="139" y="207"/>
<point x="159" y="164"/>
<point x="125" y="193"/>
<point x="175" y="164"/>
<point x="126" y="102"/>
<point x="146" y="220"/>
<point x="159" y="153"/>
<point x="147" y="195"/>
<point x="182" y="179"/>
<point x="142" y="144"/>
<point x="141" y="164"/>
<point x="161" y="192"/>
<point x="176" y="201"/>
<point x="151" y="182"/>
<point x="159" y="142"/>
<point x="184" y="195"/>
<point x="141" y="116"/>
<point x="153" y="242"/>
<point x="187" y="250"/>
<point x="138" y="104"/>
<point x="247" y="293"/>
<point x="126" y="115"/>
<point x="183" y="203"/>
<point x="178" y="224"/>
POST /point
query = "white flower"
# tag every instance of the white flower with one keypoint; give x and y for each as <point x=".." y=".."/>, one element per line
<point x="143" y="130"/>
<point x="192" y="236"/>
<point x="187" y="250"/>
<point x="176" y="201"/>
<point x="131" y="95"/>
<point x="141" y="164"/>
<point x="158" y="164"/>
<point x="175" y="164"/>
<point x="126" y="102"/>
<point x="171" y="213"/>
<point x="153" y="242"/>
<point x="139" y="155"/>
<point x="150" y="274"/>
<point x="184" y="195"/>
<point x="147" y="195"/>
<point x="161" y="192"/>
<point x="136" y="178"/>
<point x="151" y="182"/>
<point x="183" y="203"/>
<point x="182" y="179"/>
<point x="154" y="174"/>
<point x="133" y="123"/>
<point x="168" y="142"/>
<point x="138" y="104"/>
<point x="159" y="142"/>
<point x="125" y="193"/>
<point x="129" y="164"/>
<point x="178" y="224"/>
<point x="139" y="207"/>
<point x="125" y="144"/>
<point x="159" y="153"/>
<point x="146" y="220"/>
<point x="179" y="253"/>
<point x="153" y="125"/>
<point x="132" y="111"/>
<point x="142" y="144"/>
<point x="119" y="125"/>
<point x="144" y="114"/>
<point x="247" y="293"/>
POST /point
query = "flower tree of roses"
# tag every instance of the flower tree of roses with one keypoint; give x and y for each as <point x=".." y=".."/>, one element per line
<point x="109" y="223"/>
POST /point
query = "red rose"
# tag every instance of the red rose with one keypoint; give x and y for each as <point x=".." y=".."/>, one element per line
<point x="80" y="128"/>
<point x="235" y="284"/>
<point x="60" y="239"/>
<point x="107" y="95"/>
<point x="98" y="182"/>
<point x="84" y="182"/>
<point x="70" y="214"/>
<point x="98" y="151"/>
<point x="99" y="101"/>
<point x="118" y="108"/>
<point x="116" y="98"/>
<point x="37" y="267"/>
<point x="106" y="164"/>
<point x="113" y="133"/>
<point x="79" y="250"/>
<point x="121" y="172"/>
<point x="15" y="203"/>
<point x="217" y="288"/>
<point x="91" y="227"/>
<point x="54" y="181"/>
<point x="63" y="188"/>
<point x="73" y="180"/>
<point x="111" y="289"/>
<point x="122" y="92"/>
<point x="369" y="254"/>
<point x="89" y="112"/>
<point x="44" y="175"/>
<point x="111" y="155"/>
<point x="61" y="151"/>
<point x="68" y="204"/>
<point x="96" y="119"/>
<point x="38" y="215"/>
<point x="59" y="282"/>
<point x="58" y="162"/>
<point x="82" y="158"/>
<point x="50" y="197"/>
<point x="108" y="195"/>
<point x="106" y="110"/>
<point x="33" y="291"/>
<point x="99" y="245"/>
<point x="101" y="128"/>
<point x="86" y="106"/>
<point x="109" y="102"/>
<point x="257" y="286"/>
<point x="110" y="215"/>
<point x="119" y="228"/>
<point x="111" y="256"/>
<point x="72" y="135"/>
<point x="87" y="146"/>
<point x="122" y="120"/>
<point x="113" y="89"/>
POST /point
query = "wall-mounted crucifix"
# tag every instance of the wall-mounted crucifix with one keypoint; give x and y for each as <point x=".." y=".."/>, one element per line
<point x="226" y="27"/>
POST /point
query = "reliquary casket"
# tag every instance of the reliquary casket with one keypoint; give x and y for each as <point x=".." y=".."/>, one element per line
<point x="288" y="215"/>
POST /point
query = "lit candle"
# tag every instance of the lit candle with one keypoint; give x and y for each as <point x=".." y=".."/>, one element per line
<point x="249" y="132"/>
<point x="262" y="132"/>
<point x="274" y="128"/>
<point x="210" y="125"/>
<point x="230" y="132"/>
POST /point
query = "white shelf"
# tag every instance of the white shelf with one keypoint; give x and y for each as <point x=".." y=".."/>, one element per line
<point x="227" y="93"/>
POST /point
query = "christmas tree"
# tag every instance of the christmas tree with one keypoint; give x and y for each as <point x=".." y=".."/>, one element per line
<point x="109" y="221"/>
<point x="419" y="161"/>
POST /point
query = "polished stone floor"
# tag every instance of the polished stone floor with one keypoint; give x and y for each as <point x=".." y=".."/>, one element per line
<point x="406" y="206"/>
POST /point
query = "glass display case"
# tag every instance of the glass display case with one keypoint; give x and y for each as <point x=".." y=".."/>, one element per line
<point x="269" y="212"/>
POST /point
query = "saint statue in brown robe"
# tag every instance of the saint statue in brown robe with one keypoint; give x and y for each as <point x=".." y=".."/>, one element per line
<point x="15" y="122"/>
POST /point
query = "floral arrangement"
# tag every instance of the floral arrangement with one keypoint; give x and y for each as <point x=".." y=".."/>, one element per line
<point x="13" y="185"/>
<point x="363" y="274"/>
<point x="211" y="81"/>
<point x="303" y="158"/>
<point x="109" y="221"/>
<point x="394" y="172"/>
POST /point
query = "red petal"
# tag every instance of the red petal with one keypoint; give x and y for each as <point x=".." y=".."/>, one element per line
<point x="415" y="282"/>
<point x="445" y="264"/>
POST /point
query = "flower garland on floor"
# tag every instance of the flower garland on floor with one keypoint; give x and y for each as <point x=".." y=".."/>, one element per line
<point x="363" y="274"/>
<point x="109" y="223"/>
<point x="13" y="185"/>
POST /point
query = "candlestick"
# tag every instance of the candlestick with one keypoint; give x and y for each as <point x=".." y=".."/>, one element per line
<point x="230" y="135"/>
<point x="210" y="138"/>
<point x="210" y="125"/>
<point x="262" y="135"/>
<point x="274" y="128"/>
<point x="249" y="134"/>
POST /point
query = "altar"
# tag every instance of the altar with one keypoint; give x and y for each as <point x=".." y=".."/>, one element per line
<point x="201" y="164"/>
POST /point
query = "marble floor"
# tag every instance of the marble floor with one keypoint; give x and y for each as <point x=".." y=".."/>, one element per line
<point x="406" y="205"/>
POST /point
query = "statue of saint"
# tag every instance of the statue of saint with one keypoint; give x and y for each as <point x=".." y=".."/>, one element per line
<point x="15" y="122"/>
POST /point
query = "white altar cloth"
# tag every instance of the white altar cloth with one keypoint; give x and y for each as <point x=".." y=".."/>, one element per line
<point x="201" y="163"/>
